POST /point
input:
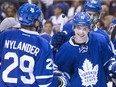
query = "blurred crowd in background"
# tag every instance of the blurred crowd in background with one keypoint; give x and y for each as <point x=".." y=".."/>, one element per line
<point x="53" y="11"/>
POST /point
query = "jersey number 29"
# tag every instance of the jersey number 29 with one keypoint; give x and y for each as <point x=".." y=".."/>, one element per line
<point x="15" y="64"/>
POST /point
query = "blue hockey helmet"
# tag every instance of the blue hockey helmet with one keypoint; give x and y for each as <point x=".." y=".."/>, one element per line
<point x="93" y="5"/>
<point x="28" y="13"/>
<point x="82" y="19"/>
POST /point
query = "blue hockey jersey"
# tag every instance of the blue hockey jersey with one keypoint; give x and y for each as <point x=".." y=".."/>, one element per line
<point x="100" y="31"/>
<point x="84" y="63"/>
<point x="68" y="28"/>
<point x="26" y="59"/>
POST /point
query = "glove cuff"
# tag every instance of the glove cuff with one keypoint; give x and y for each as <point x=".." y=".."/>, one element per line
<point x="63" y="81"/>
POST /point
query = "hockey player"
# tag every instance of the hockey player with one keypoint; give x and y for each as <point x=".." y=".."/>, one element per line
<point x="25" y="57"/>
<point x="86" y="55"/>
<point x="93" y="8"/>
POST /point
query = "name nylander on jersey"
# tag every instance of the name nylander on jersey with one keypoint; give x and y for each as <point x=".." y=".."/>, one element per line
<point x="26" y="59"/>
<point x="26" y="47"/>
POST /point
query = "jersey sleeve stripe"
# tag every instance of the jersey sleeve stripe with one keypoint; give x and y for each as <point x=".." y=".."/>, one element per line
<point x="106" y="62"/>
<point x="45" y="85"/>
<point x="0" y="63"/>
<point x="44" y="77"/>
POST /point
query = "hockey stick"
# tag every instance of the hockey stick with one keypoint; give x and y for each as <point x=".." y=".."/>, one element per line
<point x="29" y="1"/>
<point x="62" y="22"/>
<point x="55" y="49"/>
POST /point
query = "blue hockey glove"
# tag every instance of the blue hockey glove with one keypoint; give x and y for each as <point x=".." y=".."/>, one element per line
<point x="63" y="77"/>
<point x="58" y="39"/>
<point x="110" y="68"/>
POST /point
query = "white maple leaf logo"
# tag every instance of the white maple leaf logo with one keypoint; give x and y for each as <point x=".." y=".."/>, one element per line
<point x="94" y="1"/>
<point x="89" y="74"/>
<point x="32" y="10"/>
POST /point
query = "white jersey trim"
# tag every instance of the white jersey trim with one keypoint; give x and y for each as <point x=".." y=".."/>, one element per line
<point x="44" y="77"/>
<point x="46" y="85"/>
<point x="71" y="42"/>
<point x="0" y="63"/>
<point x="95" y="28"/>
<point x="29" y="31"/>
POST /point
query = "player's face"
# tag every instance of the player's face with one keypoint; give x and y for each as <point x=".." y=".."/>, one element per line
<point x="81" y="33"/>
<point x="93" y="15"/>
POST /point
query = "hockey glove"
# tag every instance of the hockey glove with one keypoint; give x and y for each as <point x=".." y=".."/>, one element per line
<point x="63" y="78"/>
<point x="110" y="66"/>
<point x="58" y="39"/>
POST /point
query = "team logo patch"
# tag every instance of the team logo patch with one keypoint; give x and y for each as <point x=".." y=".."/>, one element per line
<point x="89" y="74"/>
<point x="32" y="10"/>
<point x="94" y="1"/>
<point x="83" y="49"/>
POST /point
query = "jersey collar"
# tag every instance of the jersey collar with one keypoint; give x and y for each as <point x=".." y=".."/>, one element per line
<point x="29" y="32"/>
